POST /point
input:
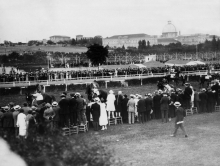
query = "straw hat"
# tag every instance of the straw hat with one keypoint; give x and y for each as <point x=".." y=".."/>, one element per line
<point x="54" y="104"/>
<point x="17" y="107"/>
<point x="177" y="104"/>
<point x="6" y="108"/>
<point x="111" y="92"/>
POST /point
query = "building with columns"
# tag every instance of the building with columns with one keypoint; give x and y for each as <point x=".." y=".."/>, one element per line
<point x="57" y="38"/>
<point x="169" y="35"/>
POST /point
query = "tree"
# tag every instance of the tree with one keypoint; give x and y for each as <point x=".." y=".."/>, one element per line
<point x="97" y="54"/>
<point x="123" y="47"/>
<point x="73" y="42"/>
<point x="143" y="43"/>
<point x="214" y="43"/>
<point x="148" y="44"/>
<point x="50" y="42"/>
<point x="140" y="45"/>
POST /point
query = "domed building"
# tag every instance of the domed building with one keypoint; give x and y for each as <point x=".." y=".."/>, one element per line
<point x="169" y="31"/>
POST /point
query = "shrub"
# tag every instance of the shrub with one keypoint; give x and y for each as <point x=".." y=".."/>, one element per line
<point x="114" y="84"/>
<point x="150" y="80"/>
<point x="10" y="91"/>
<point x="55" y="88"/>
<point x="76" y="87"/>
<point x="60" y="150"/>
<point x="133" y="82"/>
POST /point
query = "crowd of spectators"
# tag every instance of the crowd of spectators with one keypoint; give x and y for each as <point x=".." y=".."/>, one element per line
<point x="72" y="109"/>
<point x="73" y="74"/>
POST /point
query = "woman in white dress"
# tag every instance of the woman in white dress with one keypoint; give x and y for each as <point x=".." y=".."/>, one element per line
<point x="22" y="124"/>
<point x="103" y="119"/>
<point x="111" y="104"/>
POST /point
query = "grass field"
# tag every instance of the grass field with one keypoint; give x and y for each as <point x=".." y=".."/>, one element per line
<point x="72" y="49"/>
<point x="150" y="144"/>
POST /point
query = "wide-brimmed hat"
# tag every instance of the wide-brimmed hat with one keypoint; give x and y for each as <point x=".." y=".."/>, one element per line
<point x="203" y="89"/>
<point x="6" y="108"/>
<point x="187" y="84"/>
<point x="164" y="93"/>
<point x="34" y="108"/>
<point x="177" y="103"/>
<point x="97" y="99"/>
<point x="11" y="104"/>
<point x="131" y="95"/>
<point x="62" y="95"/>
<point x="160" y="91"/>
<point x="77" y="94"/>
<point x="48" y="105"/>
<point x="54" y="104"/>
<point x="111" y="92"/>
<point x="17" y="107"/>
<point x="149" y="94"/>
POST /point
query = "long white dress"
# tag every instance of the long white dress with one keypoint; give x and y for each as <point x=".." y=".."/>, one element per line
<point x="111" y="102"/>
<point x="21" y="123"/>
<point x="103" y="119"/>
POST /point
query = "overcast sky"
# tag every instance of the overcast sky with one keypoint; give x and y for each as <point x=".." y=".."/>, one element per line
<point x="23" y="20"/>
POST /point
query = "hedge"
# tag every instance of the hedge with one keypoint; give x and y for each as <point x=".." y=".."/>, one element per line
<point x="114" y="84"/>
<point x="55" y="88"/>
<point x="133" y="82"/>
<point x="76" y="87"/>
<point x="10" y="91"/>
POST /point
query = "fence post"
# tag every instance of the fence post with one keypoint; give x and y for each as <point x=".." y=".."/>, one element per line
<point x="29" y="83"/>
<point x="106" y="86"/>
<point x="66" y="88"/>
<point x="47" y="82"/>
<point x="44" y="89"/>
<point x="13" y="83"/>
<point x="139" y="76"/>
<point x="64" y="81"/>
<point x="111" y="78"/>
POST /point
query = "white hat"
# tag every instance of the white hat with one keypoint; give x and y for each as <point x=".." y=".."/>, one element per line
<point x="97" y="99"/>
<point x="177" y="103"/>
<point x="111" y="92"/>
<point x="17" y="107"/>
<point x="6" y="108"/>
<point x="55" y="104"/>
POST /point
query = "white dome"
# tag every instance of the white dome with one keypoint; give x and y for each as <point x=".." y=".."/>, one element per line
<point x="169" y="28"/>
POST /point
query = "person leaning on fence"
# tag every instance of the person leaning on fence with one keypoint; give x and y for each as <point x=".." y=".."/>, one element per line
<point x="180" y="114"/>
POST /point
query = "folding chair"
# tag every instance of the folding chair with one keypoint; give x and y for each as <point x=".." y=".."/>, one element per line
<point x="112" y="121"/>
<point x="119" y="120"/>
<point x="84" y="127"/>
<point x="194" y="110"/>
<point x="217" y="108"/>
<point x="74" y="130"/>
<point x="189" y="112"/>
<point x="66" y="131"/>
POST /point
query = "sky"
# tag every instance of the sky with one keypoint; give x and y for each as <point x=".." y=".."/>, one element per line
<point x="24" y="20"/>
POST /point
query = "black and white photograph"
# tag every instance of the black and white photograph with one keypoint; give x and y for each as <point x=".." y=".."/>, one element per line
<point x="109" y="82"/>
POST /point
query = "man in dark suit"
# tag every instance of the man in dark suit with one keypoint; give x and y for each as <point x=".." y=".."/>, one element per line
<point x="8" y="122"/>
<point x="164" y="106"/>
<point x="187" y="94"/>
<point x="203" y="100"/>
<point x="125" y="109"/>
<point x="95" y="110"/>
<point x="73" y="111"/>
<point x="64" y="111"/>
<point x="210" y="101"/>
<point x="173" y="98"/>
<point x="216" y="88"/>
<point x="118" y="104"/>
<point x="141" y="109"/>
<point x="149" y="105"/>
<point x="156" y="105"/>
<point x="196" y="100"/>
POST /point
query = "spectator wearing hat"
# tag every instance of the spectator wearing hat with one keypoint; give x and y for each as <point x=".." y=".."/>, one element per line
<point x="125" y="108"/>
<point x="49" y="115"/>
<point x="110" y="104"/>
<point x="22" y="125"/>
<point x="156" y="105"/>
<point x="187" y="95"/>
<point x="181" y="98"/>
<point x="164" y="106"/>
<point x="15" y="116"/>
<point x="118" y="103"/>
<point x="136" y="99"/>
<point x="56" y="118"/>
<point x="196" y="100"/>
<point x="141" y="108"/>
<point x="149" y="106"/>
<point x="103" y="119"/>
<point x="180" y="114"/>
<point x="81" y="109"/>
<point x="8" y="122"/>
<point x="216" y="88"/>
<point x="211" y="101"/>
<point x="73" y="109"/>
<point x="173" y="99"/>
<point x="32" y="126"/>
<point x="95" y="110"/>
<point x="64" y="111"/>
<point x="203" y="103"/>
<point x="26" y="108"/>
<point x="131" y="109"/>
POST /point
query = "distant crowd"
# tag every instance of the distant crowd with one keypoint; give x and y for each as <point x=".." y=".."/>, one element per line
<point x="56" y="75"/>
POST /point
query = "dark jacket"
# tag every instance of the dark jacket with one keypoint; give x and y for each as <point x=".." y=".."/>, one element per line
<point x="57" y="112"/>
<point x="64" y="106"/>
<point x="141" y="105"/>
<point x="7" y="119"/>
<point x="124" y="104"/>
<point x="95" y="110"/>
<point x="164" y="103"/>
<point x="180" y="114"/>
<point x="118" y="103"/>
<point x="203" y="97"/>
<point x="72" y="105"/>
<point x="188" y="93"/>
<point x="149" y="104"/>
<point x="80" y="104"/>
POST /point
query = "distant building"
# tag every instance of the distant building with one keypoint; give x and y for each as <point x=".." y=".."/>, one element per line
<point x="56" y="39"/>
<point x="148" y="58"/>
<point x="80" y="37"/>
<point x="130" y="40"/>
